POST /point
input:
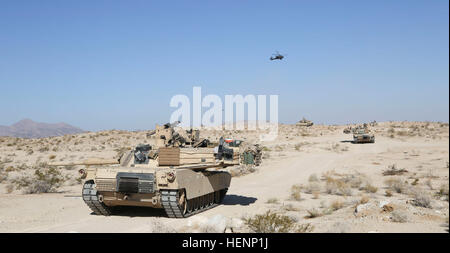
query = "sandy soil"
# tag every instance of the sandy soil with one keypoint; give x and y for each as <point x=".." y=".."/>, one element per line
<point x="322" y="151"/>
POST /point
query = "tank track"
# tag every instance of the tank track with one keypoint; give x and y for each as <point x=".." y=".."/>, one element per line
<point x="90" y="197"/>
<point x="170" y="202"/>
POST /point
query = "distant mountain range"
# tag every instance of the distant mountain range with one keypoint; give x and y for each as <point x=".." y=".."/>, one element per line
<point x="29" y="129"/>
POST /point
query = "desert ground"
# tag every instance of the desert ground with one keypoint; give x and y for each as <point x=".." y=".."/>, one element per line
<point x="312" y="179"/>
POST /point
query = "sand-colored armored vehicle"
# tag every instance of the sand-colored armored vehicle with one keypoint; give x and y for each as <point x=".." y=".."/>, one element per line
<point x="304" y="122"/>
<point x="347" y="130"/>
<point x="182" y="180"/>
<point x="179" y="173"/>
<point x="362" y="134"/>
<point x="249" y="154"/>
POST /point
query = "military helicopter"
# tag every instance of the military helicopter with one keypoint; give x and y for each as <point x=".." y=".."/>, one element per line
<point x="276" y="56"/>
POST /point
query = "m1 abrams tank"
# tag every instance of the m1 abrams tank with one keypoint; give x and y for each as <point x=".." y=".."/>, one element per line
<point x="305" y="122"/>
<point x="177" y="175"/>
<point x="362" y="134"/>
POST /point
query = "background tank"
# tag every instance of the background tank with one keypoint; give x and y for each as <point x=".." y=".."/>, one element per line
<point x="304" y="122"/>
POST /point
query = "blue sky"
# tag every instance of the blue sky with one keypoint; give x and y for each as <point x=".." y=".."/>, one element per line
<point x="116" y="64"/>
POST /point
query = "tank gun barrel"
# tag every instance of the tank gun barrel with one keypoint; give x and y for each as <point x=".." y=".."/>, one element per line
<point x="88" y="162"/>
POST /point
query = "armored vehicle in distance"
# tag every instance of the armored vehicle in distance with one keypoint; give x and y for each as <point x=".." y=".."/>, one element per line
<point x="363" y="135"/>
<point x="304" y="122"/>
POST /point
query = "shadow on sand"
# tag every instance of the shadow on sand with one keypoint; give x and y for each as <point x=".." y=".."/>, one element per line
<point x="136" y="211"/>
<point x="232" y="199"/>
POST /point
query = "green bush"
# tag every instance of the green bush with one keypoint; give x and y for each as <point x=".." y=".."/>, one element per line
<point x="270" y="222"/>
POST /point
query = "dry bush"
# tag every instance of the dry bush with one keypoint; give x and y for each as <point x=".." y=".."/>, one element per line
<point x="316" y="194"/>
<point x="299" y="145"/>
<point x="44" y="149"/>
<point x="44" y="180"/>
<point x="336" y="205"/>
<point x="272" y="201"/>
<point x="312" y="188"/>
<point x="337" y="187"/>
<point x="270" y="222"/>
<point x="388" y="193"/>
<point x="307" y="228"/>
<point x="295" y="192"/>
<point x="370" y="188"/>
<point x="364" y="199"/>
<point x="421" y="198"/>
<point x="399" y="216"/>
<point x="443" y="191"/>
<point x="355" y="180"/>
<point x="397" y="185"/>
<point x="313" y="178"/>
<point x="393" y="171"/>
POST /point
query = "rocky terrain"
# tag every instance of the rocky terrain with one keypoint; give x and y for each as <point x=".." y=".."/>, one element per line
<point x="312" y="179"/>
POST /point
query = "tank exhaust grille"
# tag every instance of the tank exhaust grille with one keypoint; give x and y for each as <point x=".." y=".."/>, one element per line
<point x="135" y="182"/>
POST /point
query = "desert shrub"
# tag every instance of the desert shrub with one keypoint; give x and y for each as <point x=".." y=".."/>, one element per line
<point x="43" y="149"/>
<point x="10" y="168"/>
<point x="396" y="185"/>
<point x="295" y="192"/>
<point x="364" y="199"/>
<point x="312" y="188"/>
<point x="44" y="180"/>
<point x="313" y="178"/>
<point x="399" y="216"/>
<point x="337" y="187"/>
<point x="388" y="193"/>
<point x="421" y="198"/>
<point x="270" y="222"/>
<point x="272" y="201"/>
<point x="336" y="205"/>
<point x="23" y="166"/>
<point x="393" y="171"/>
<point x="370" y="188"/>
<point x="443" y="191"/>
<point x="316" y="194"/>
<point x="354" y="180"/>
